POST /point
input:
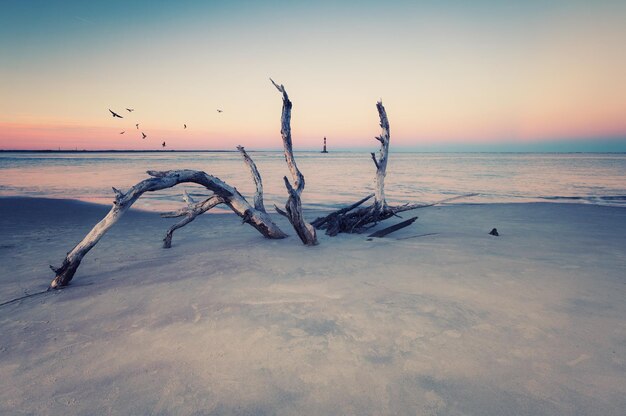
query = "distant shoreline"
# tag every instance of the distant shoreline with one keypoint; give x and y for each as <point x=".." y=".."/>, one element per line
<point x="116" y="151"/>
<point x="298" y="151"/>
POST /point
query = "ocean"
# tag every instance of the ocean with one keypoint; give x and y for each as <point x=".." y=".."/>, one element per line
<point x="332" y="179"/>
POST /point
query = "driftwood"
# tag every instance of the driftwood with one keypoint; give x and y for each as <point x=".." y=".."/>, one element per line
<point x="222" y="194"/>
<point x="380" y="162"/>
<point x="190" y="212"/>
<point x="321" y="221"/>
<point x="353" y="218"/>
<point x="349" y="220"/>
<point x="386" y="231"/>
<point x="193" y="209"/>
<point x="341" y="221"/>
<point x="229" y="196"/>
<point x="256" y="178"/>
<point x="293" y="207"/>
<point x="344" y="221"/>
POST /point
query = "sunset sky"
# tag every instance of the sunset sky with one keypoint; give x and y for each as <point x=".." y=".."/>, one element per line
<point x="453" y="75"/>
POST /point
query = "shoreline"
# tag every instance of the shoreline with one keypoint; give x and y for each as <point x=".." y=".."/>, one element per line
<point x="278" y="150"/>
<point x="322" y="209"/>
<point x="227" y="322"/>
<point x="413" y="178"/>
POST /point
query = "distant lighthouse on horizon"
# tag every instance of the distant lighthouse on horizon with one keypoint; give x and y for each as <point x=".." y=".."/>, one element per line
<point x="324" y="151"/>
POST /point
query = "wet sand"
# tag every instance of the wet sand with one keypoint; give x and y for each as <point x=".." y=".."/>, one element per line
<point x="453" y="323"/>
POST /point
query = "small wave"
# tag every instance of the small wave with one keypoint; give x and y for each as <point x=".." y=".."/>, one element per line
<point x="592" y="199"/>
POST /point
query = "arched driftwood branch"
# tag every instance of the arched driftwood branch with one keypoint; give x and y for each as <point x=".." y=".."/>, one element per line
<point x="293" y="207"/>
<point x="261" y="221"/>
<point x="193" y="209"/>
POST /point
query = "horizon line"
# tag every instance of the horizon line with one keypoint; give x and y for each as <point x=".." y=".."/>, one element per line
<point x="303" y="151"/>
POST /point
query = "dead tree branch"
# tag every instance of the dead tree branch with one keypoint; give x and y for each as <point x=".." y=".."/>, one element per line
<point x="343" y="220"/>
<point x="190" y="212"/>
<point x="261" y="221"/>
<point x="321" y="221"/>
<point x="348" y="220"/>
<point x="256" y="177"/>
<point x="386" y="231"/>
<point x="293" y="207"/>
<point x="381" y="160"/>
<point x="193" y="209"/>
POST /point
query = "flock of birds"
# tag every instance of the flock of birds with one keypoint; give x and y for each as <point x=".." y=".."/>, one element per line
<point x="143" y="135"/>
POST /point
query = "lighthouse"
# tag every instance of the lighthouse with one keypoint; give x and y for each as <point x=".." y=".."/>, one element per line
<point x="324" y="151"/>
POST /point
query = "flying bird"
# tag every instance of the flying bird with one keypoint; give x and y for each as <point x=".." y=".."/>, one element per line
<point x="130" y="110"/>
<point x="219" y="111"/>
<point x="122" y="132"/>
<point x="143" y="135"/>
<point x="185" y="125"/>
<point x="137" y="125"/>
<point x="114" y="114"/>
<point x="163" y="144"/>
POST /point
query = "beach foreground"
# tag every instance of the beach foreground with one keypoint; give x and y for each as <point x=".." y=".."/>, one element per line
<point x="453" y="323"/>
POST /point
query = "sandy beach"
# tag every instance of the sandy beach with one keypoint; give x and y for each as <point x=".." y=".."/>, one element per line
<point x="225" y="322"/>
<point x="273" y="123"/>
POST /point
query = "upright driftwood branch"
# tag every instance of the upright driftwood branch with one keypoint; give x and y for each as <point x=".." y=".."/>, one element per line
<point x="293" y="207"/>
<point x="261" y="221"/>
<point x="350" y="219"/>
<point x="381" y="160"/>
<point x="256" y="177"/>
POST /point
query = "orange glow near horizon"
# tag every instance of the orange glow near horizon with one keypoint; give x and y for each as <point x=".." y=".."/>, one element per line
<point x="477" y="74"/>
<point x="19" y="136"/>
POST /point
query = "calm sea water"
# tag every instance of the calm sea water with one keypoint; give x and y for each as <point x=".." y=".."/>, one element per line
<point x="331" y="179"/>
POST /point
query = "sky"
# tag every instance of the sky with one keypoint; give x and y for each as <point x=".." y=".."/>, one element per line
<point x="453" y="75"/>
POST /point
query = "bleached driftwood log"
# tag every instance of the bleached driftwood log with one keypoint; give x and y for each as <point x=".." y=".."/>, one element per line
<point x="381" y="162"/>
<point x="293" y="207"/>
<point x="260" y="220"/>
<point x="193" y="208"/>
